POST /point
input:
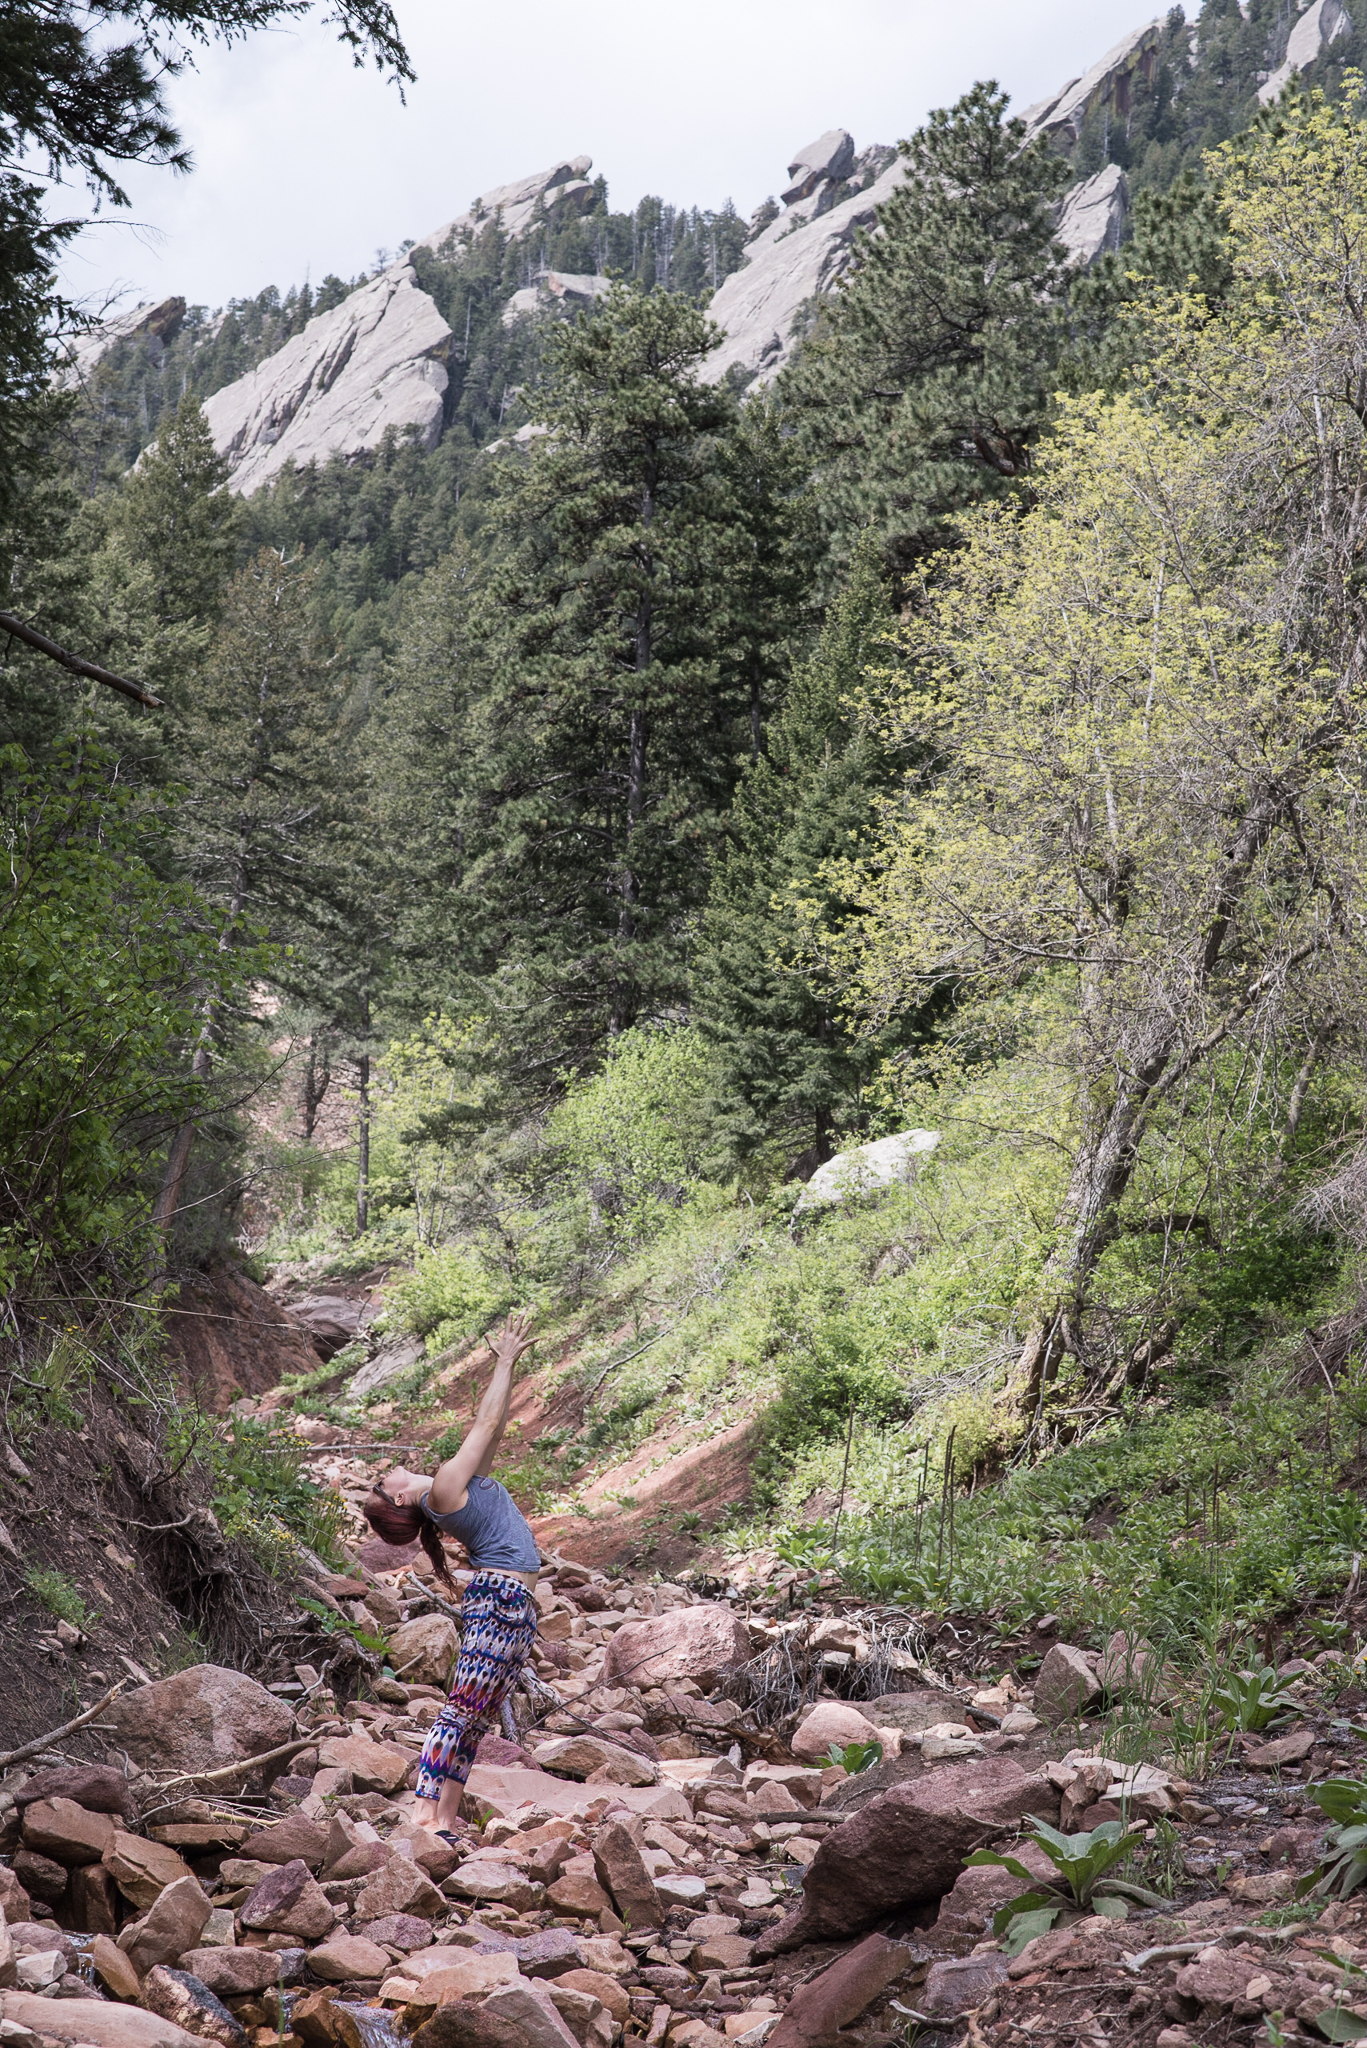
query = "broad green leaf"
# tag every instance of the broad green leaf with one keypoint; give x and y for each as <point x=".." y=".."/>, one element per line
<point x="1108" y="1907"/>
<point x="983" y="1859"/>
<point x="1027" y="1926"/>
<point x="1337" y="2025"/>
<point x="1026" y="1903"/>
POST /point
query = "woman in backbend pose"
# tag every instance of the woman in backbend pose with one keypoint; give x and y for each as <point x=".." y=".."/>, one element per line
<point x="498" y="1614"/>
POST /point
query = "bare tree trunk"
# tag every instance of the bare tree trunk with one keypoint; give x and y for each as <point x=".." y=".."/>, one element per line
<point x="363" y="1148"/>
<point x="316" y="1082"/>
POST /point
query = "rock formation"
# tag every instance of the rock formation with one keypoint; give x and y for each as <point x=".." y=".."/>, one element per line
<point x="374" y="362"/>
<point x="762" y="308"/>
<point x="82" y="352"/>
<point x="516" y="205"/>
<point x="1092" y="215"/>
<point x="797" y="258"/>
<point x="555" y="288"/>
<point x="1109" y="84"/>
<point x="1310" y="37"/>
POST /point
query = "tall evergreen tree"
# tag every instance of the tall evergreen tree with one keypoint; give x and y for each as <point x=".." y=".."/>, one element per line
<point x="789" y="1071"/>
<point x="929" y="374"/>
<point x="615" y="673"/>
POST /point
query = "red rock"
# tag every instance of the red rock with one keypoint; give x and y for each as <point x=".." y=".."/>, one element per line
<point x="235" y="1972"/>
<point x="174" y="1924"/>
<point x="579" y="1895"/>
<point x="908" y="1846"/>
<point x="114" y="1970"/>
<point x="599" y="1985"/>
<point x="532" y="2010"/>
<point x="966" y="1910"/>
<point x="700" y="1643"/>
<point x="15" y="1903"/>
<point x="66" y="1832"/>
<point x="830" y="1722"/>
<point x="620" y="1870"/>
<point x="289" y="1901"/>
<point x="142" y="1870"/>
<point x="496" y="1749"/>
<point x="399" y="1930"/>
<point x="99" y="1788"/>
<point x="94" y="1898"/>
<point x="467" y="2025"/>
<point x="1064" y="1684"/>
<point x="202" y="1718"/>
<point x="835" y="1999"/>
<point x="1287" y="1749"/>
<point x="40" y="1876"/>
<point x="357" y="1861"/>
<point x="294" y="1836"/>
<point x="1217" y="1979"/>
<point x="178" y="1996"/>
<point x="102" y="2024"/>
<point x="374" y="1767"/>
<point x="347" y="1959"/>
<point x="400" y="1887"/>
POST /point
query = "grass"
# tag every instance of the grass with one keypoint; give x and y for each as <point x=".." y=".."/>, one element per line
<point x="60" y="1595"/>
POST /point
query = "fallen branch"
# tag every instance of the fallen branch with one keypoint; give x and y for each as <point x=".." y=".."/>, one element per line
<point x="33" y="638"/>
<point x="1173" y="1951"/>
<point x="248" y="1763"/>
<point x="42" y="1742"/>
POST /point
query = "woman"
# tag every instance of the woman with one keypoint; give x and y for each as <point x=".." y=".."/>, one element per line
<point x="498" y="1614"/>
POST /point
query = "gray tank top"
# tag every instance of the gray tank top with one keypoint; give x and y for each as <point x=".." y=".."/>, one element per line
<point x="495" y="1535"/>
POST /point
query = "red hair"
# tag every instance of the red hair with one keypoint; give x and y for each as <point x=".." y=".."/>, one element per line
<point x="395" y="1523"/>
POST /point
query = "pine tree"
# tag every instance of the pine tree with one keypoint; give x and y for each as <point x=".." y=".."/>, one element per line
<point x="788" y="1069"/>
<point x="929" y="374"/>
<point x="613" y="672"/>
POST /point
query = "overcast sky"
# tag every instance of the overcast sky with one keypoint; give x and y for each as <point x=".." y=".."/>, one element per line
<point x="304" y="165"/>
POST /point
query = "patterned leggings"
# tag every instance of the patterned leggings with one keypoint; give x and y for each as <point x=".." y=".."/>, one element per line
<point x="498" y="1628"/>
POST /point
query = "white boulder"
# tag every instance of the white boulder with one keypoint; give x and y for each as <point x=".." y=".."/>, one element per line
<point x="883" y="1163"/>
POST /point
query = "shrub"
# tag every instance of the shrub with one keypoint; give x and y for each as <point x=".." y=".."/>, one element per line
<point x="632" y="1136"/>
<point x="448" y="1295"/>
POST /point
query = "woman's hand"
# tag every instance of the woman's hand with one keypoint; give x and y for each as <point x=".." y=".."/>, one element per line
<point x="513" y="1339"/>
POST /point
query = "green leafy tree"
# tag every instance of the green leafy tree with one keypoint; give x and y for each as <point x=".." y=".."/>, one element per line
<point x="928" y="378"/>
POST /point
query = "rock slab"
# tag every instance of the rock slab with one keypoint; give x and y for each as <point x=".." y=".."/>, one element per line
<point x="908" y="1847"/>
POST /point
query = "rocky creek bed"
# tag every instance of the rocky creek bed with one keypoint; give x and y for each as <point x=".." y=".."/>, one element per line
<point x="657" y="1847"/>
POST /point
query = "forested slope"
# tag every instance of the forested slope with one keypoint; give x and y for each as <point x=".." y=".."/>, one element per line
<point x="551" y="848"/>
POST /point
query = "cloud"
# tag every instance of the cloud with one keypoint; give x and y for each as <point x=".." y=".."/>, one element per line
<point x="304" y="165"/>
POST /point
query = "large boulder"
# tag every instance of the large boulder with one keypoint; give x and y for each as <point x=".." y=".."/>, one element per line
<point x="589" y="1756"/>
<point x="422" y="1651"/>
<point x="1065" y="1683"/>
<point x="400" y="1887"/>
<point x="619" y="1866"/>
<point x="372" y="363"/>
<point x="296" y="1836"/>
<point x="141" y="1869"/>
<point x="701" y="1643"/>
<point x="236" y="1972"/>
<point x="374" y="1766"/>
<point x="288" y="1900"/>
<point x="102" y="2024"/>
<point x="907" y="1847"/>
<point x="199" y="1720"/>
<point x="174" y="1925"/>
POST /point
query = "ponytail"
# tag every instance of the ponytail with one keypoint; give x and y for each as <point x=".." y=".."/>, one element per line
<point x="397" y="1524"/>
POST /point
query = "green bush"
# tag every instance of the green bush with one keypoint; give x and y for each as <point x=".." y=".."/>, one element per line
<point x="263" y="1497"/>
<point x="631" y="1138"/>
<point x="448" y="1295"/>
